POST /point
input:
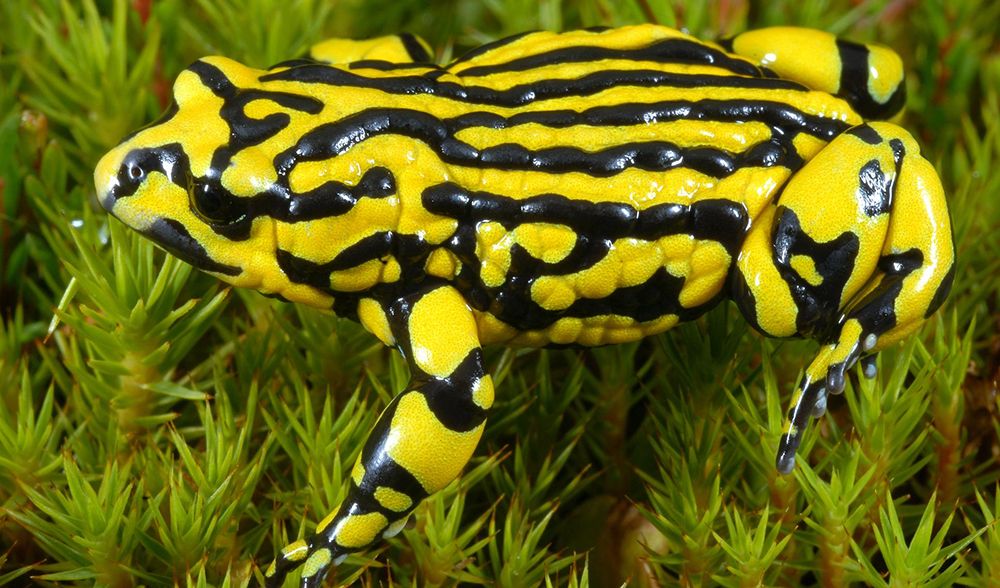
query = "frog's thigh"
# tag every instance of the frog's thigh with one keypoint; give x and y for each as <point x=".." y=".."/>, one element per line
<point x="869" y="77"/>
<point x="404" y="48"/>
<point x="812" y="250"/>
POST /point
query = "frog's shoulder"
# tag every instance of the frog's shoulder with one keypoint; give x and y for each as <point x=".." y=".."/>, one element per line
<point x="646" y="42"/>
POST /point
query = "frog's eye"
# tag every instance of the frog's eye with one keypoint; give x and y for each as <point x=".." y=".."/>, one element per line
<point x="215" y="205"/>
<point x="133" y="171"/>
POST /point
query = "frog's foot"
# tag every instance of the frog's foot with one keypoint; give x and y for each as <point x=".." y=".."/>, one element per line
<point x="316" y="558"/>
<point x="825" y="375"/>
<point x="326" y="549"/>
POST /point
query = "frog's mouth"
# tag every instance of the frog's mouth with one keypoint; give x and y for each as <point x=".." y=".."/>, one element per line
<point x="172" y="236"/>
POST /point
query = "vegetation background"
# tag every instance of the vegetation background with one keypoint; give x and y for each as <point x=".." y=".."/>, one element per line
<point x="157" y="428"/>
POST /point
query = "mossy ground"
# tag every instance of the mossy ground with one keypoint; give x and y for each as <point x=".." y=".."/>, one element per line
<point x="157" y="428"/>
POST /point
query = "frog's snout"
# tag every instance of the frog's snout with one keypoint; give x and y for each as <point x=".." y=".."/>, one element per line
<point x="124" y="171"/>
<point x="106" y="179"/>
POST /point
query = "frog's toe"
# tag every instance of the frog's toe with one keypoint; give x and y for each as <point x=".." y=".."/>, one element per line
<point x="316" y="560"/>
<point x="868" y="366"/>
<point x="811" y="402"/>
<point x="819" y="407"/>
<point x="836" y="379"/>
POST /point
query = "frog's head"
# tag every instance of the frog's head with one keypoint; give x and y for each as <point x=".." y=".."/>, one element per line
<point x="199" y="182"/>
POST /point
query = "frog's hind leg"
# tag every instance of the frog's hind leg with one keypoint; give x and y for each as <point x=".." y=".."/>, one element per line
<point x="869" y="77"/>
<point x="856" y="253"/>
<point x="421" y="441"/>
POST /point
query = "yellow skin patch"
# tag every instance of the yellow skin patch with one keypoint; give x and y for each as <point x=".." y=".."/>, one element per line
<point x="392" y="499"/>
<point x="388" y="48"/>
<point x="886" y="70"/>
<point x="695" y="133"/>
<point x="441" y="338"/>
<point x="318" y="561"/>
<point x="359" y="530"/>
<point x="807" y="55"/>
<point x="430" y="451"/>
<point x="442" y="263"/>
<point x="482" y="392"/>
<point x="373" y="318"/>
<point x="515" y="198"/>
<point x="547" y="242"/>
<point x="493" y="250"/>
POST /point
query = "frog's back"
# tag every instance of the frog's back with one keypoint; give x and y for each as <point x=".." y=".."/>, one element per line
<point x="586" y="187"/>
<point x="603" y="181"/>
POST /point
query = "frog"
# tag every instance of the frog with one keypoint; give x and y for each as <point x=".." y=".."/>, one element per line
<point x="581" y="188"/>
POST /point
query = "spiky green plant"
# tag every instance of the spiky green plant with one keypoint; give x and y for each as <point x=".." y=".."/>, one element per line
<point x="157" y="428"/>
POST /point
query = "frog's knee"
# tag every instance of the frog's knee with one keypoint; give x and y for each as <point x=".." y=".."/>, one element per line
<point x="869" y="77"/>
<point x="818" y="245"/>
<point x="917" y="262"/>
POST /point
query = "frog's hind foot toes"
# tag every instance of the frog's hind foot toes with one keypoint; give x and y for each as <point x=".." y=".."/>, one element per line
<point x="316" y="560"/>
<point x="827" y="374"/>
<point x="869" y="367"/>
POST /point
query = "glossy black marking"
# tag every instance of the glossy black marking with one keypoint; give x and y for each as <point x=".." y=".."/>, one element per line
<point x="875" y="189"/>
<point x="414" y="48"/>
<point x="650" y="156"/>
<point x="818" y="306"/>
<point x="866" y="133"/>
<point x="666" y="51"/>
<point x="720" y="220"/>
<point x="774" y="114"/>
<point x="332" y="139"/>
<point x="903" y="263"/>
<point x="232" y="216"/>
<point x="295" y="62"/>
<point x="488" y="47"/>
<point x="597" y="226"/>
<point x="877" y="310"/>
<point x="742" y="295"/>
<point x="325" y="201"/>
<point x="170" y="160"/>
<point x="175" y="238"/>
<point x="898" y="152"/>
<point x="245" y="131"/>
<point x="803" y="409"/>
<point x="382" y="65"/>
<point x="450" y="399"/>
<point x="525" y="93"/>
<point x="380" y="468"/>
<point x="943" y="289"/>
<point x="169" y="113"/>
<point x="854" y="74"/>
<point x="654" y="298"/>
<point x="317" y="275"/>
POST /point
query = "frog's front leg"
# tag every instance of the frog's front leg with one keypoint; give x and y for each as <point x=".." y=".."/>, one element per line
<point x="856" y="252"/>
<point x="421" y="441"/>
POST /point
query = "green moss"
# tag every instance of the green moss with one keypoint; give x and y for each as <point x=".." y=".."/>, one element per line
<point x="157" y="428"/>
